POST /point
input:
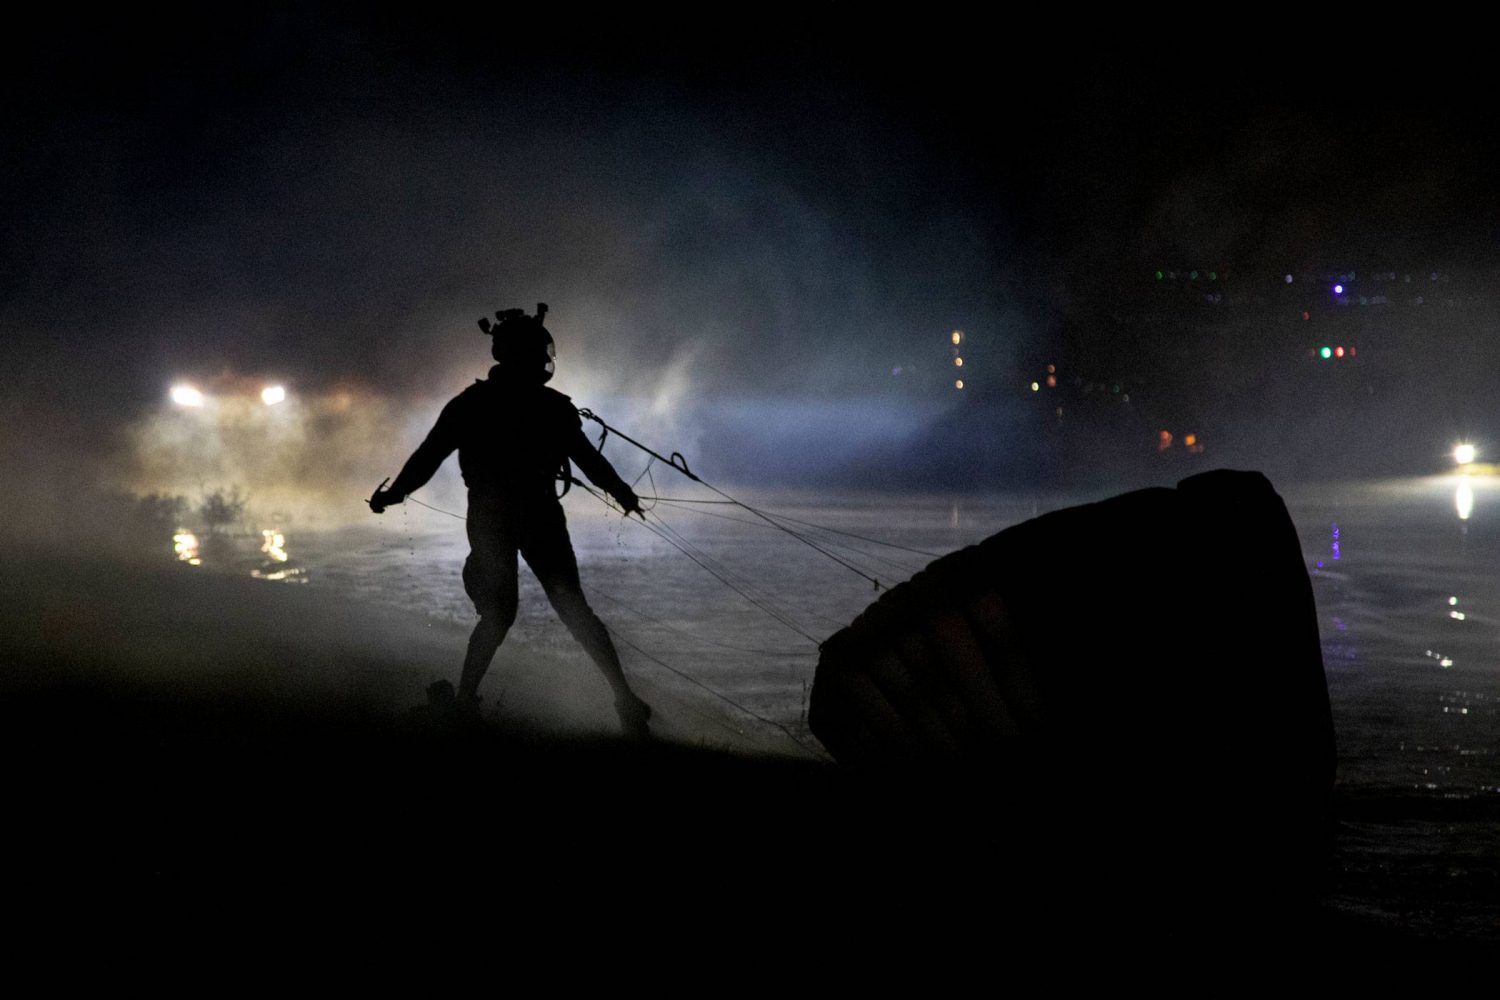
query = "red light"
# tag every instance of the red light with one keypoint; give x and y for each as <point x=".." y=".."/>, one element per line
<point x="1351" y="352"/>
<point x="1338" y="352"/>
<point x="1306" y="315"/>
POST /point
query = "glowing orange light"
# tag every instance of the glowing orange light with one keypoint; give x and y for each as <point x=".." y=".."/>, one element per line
<point x="959" y="384"/>
<point x="958" y="337"/>
<point x="1190" y="440"/>
<point x="1164" y="441"/>
<point x="1052" y="381"/>
<point x="959" y="362"/>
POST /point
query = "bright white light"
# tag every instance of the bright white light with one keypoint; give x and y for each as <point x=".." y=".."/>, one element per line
<point x="186" y="395"/>
<point x="272" y="394"/>
<point x="1464" y="454"/>
<point x="958" y="336"/>
<point x="1463" y="499"/>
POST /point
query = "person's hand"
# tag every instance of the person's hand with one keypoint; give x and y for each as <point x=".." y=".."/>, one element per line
<point x="381" y="499"/>
<point x="632" y="505"/>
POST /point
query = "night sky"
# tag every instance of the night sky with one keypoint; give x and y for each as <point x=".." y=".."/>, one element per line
<point x="742" y="226"/>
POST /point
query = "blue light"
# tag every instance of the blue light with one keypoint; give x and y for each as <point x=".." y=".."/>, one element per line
<point x="1338" y="289"/>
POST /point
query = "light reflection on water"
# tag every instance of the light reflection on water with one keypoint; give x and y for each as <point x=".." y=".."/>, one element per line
<point x="263" y="555"/>
<point x="1410" y="623"/>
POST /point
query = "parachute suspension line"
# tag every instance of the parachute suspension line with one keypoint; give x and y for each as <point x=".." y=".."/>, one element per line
<point x="765" y="596"/>
<point x="438" y="509"/>
<point x="660" y="531"/>
<point x="756" y="524"/>
<point x="693" y="636"/>
<point x="679" y="463"/>
<point x="665" y="533"/>
<point x="818" y="751"/>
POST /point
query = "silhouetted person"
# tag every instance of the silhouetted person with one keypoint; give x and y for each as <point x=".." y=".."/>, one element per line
<point x="513" y="435"/>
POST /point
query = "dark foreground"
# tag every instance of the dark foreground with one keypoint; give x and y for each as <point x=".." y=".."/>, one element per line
<point x="154" y="743"/>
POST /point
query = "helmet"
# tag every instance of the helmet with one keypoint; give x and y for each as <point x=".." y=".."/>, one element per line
<point x="521" y="344"/>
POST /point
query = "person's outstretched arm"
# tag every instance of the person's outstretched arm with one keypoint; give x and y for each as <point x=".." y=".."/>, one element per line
<point x="424" y="462"/>
<point x="600" y="472"/>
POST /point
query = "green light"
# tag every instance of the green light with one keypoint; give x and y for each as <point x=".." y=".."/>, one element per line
<point x="1193" y="275"/>
<point x="1213" y="275"/>
<point x="1158" y="275"/>
<point x="1326" y="352"/>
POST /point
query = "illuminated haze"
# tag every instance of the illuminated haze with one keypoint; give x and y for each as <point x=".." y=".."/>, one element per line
<point x="741" y="241"/>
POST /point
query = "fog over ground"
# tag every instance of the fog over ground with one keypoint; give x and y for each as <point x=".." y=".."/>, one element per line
<point x="743" y="235"/>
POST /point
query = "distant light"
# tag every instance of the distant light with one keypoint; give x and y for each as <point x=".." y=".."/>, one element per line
<point x="958" y="362"/>
<point x="1464" y="454"/>
<point x="185" y="544"/>
<point x="1452" y="601"/>
<point x="1036" y="387"/>
<point x="896" y="370"/>
<point x="1351" y="352"/>
<point x="1289" y="279"/>
<point x="1052" y="381"/>
<point x="1463" y="499"/>
<point x="959" y="384"/>
<point x="1306" y="314"/>
<point x="1051" y="369"/>
<point x="958" y="336"/>
<point x="1213" y="275"/>
<point x="1164" y="441"/>
<point x="1338" y="289"/>
<point x="1338" y="352"/>
<point x="272" y="394"/>
<point x="186" y="395"/>
<point x="1193" y="276"/>
<point x="1325" y="353"/>
<point x="1190" y="440"/>
<point x="1158" y="275"/>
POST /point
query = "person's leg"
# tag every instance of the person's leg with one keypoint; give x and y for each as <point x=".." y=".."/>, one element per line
<point x="549" y="553"/>
<point x="490" y="582"/>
